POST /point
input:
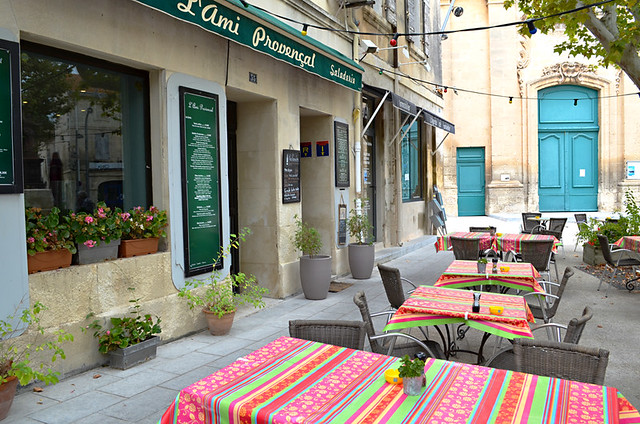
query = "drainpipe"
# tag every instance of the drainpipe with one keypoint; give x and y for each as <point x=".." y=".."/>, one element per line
<point x="357" y="130"/>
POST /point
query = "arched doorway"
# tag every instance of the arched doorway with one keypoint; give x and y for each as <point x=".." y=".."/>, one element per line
<point x="568" y="148"/>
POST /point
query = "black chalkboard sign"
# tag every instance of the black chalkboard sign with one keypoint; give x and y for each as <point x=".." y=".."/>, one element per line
<point x="201" y="180"/>
<point x="341" y="136"/>
<point x="10" y="128"/>
<point x="290" y="176"/>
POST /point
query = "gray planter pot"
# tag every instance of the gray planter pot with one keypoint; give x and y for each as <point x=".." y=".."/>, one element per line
<point x="130" y="356"/>
<point x="482" y="268"/>
<point x="592" y="255"/>
<point x="100" y="253"/>
<point x="315" y="276"/>
<point x="361" y="258"/>
<point x="412" y="386"/>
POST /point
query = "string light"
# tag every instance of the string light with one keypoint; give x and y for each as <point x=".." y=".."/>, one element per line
<point x="529" y="22"/>
<point x="510" y="100"/>
<point x="532" y="27"/>
<point x="305" y="27"/>
<point x="394" y="41"/>
<point x="445" y="89"/>
<point x="380" y="71"/>
<point x="575" y="102"/>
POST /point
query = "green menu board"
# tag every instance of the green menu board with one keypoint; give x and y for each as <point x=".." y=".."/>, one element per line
<point x="10" y="147"/>
<point x="201" y="180"/>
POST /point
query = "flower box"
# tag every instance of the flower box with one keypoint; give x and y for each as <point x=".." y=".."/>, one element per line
<point x="592" y="255"/>
<point x="99" y="253"/>
<point x="130" y="356"/>
<point x="48" y="260"/>
<point x="137" y="247"/>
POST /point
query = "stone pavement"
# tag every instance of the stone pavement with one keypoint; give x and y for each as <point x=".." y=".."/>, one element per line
<point x="141" y="394"/>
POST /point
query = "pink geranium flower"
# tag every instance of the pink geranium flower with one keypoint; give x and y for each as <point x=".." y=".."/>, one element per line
<point x="90" y="243"/>
<point x="88" y="219"/>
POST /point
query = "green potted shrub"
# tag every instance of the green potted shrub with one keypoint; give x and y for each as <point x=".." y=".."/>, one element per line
<point x="141" y="230"/>
<point x="96" y="234"/>
<point x="16" y="362"/>
<point x="482" y="265"/>
<point x="361" y="251"/>
<point x="220" y="296"/>
<point x="315" y="269"/>
<point x="129" y="340"/>
<point x="50" y="243"/>
<point x="412" y="374"/>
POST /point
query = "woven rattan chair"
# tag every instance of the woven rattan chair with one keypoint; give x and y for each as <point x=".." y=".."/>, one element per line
<point x="339" y="333"/>
<point x="505" y="359"/>
<point x="392" y="282"/>
<point x="614" y="263"/>
<point x="528" y="224"/>
<point x="561" y="360"/>
<point x="538" y="253"/>
<point x="386" y="343"/>
<point x="466" y="248"/>
<point x="551" y="298"/>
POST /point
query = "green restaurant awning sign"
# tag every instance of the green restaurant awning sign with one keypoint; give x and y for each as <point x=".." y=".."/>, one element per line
<point x="262" y="32"/>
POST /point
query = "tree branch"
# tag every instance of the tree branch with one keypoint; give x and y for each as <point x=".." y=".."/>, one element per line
<point x="598" y="28"/>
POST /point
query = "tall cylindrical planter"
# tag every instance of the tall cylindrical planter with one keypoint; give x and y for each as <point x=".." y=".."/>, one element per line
<point x="315" y="276"/>
<point x="361" y="258"/>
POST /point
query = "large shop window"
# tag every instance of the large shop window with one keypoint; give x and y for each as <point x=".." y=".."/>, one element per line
<point x="411" y="163"/>
<point x="85" y="131"/>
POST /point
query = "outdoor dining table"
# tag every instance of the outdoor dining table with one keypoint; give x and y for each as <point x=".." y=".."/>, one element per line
<point x="294" y="381"/>
<point x="443" y="243"/>
<point x="521" y="276"/>
<point x="443" y="306"/>
<point x="507" y="242"/>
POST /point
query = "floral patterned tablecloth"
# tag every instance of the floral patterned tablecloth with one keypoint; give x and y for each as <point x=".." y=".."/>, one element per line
<point x="297" y="381"/>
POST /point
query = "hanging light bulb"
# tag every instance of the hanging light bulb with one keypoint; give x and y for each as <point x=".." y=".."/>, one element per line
<point x="510" y="100"/>
<point x="445" y="89"/>
<point x="244" y="3"/>
<point x="394" y="41"/>
<point x="380" y="71"/>
<point x="575" y="102"/>
<point x="532" y="27"/>
<point x="305" y="27"/>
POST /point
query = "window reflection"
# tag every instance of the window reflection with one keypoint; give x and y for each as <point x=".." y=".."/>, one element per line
<point x="84" y="134"/>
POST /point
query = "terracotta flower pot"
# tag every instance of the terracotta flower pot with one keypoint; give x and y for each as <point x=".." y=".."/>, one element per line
<point x="219" y="326"/>
<point x="137" y="247"/>
<point x="49" y="260"/>
<point x="7" y="393"/>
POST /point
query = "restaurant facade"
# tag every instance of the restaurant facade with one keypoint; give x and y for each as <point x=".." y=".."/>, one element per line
<point x="225" y="116"/>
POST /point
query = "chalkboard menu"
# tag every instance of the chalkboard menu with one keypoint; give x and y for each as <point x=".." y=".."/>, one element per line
<point x="341" y="135"/>
<point x="290" y="176"/>
<point x="10" y="136"/>
<point x="201" y="180"/>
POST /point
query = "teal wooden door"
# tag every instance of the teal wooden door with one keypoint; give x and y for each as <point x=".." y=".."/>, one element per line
<point x="568" y="149"/>
<point x="470" y="173"/>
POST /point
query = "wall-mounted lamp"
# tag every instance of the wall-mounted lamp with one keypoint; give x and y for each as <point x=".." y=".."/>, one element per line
<point x="370" y="47"/>
<point x="457" y="12"/>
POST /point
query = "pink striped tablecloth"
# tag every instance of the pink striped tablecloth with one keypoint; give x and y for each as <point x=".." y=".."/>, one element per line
<point x="444" y="242"/>
<point x="461" y="274"/>
<point x="629" y="242"/>
<point x="297" y="381"/>
<point x="512" y="242"/>
<point x="437" y="305"/>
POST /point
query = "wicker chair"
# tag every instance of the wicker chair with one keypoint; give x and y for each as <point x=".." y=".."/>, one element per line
<point x="505" y="358"/>
<point x="561" y="360"/>
<point x="386" y="343"/>
<point x="528" y="224"/>
<point x="466" y="248"/>
<point x="392" y="282"/>
<point x="552" y="297"/>
<point x="621" y="262"/>
<point x="339" y="333"/>
<point x="538" y="253"/>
